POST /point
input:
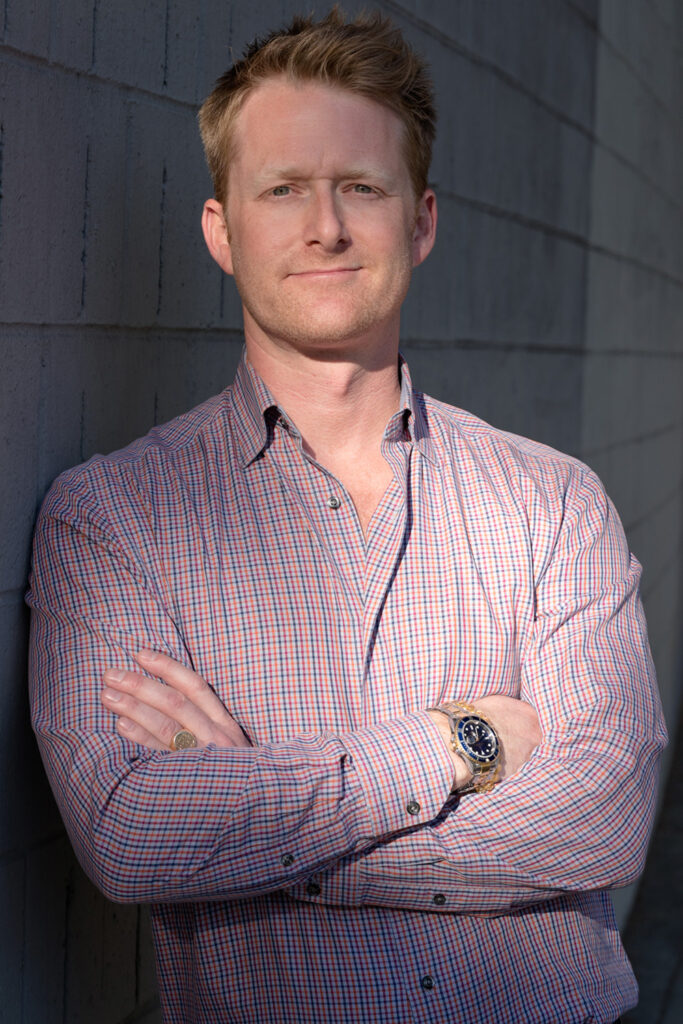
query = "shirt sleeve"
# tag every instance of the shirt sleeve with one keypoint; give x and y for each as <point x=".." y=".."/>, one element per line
<point x="578" y="815"/>
<point x="193" y="824"/>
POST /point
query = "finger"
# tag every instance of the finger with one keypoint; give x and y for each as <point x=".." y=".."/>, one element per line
<point x="130" y="730"/>
<point x="158" y="708"/>
<point x="144" y="696"/>
<point x="148" y="721"/>
<point x="187" y="682"/>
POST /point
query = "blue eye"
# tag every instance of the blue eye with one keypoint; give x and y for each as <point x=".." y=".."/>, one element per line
<point x="281" y="190"/>
<point x="363" y="189"/>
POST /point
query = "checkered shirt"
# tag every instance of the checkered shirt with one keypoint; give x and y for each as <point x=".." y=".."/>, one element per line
<point x="324" y="875"/>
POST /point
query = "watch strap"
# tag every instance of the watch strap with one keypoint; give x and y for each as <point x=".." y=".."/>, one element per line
<point x="484" y="777"/>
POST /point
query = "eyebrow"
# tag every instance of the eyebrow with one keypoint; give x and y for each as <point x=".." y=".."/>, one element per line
<point x="296" y="174"/>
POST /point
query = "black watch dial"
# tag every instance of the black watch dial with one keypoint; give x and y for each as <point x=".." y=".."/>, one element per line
<point x="478" y="739"/>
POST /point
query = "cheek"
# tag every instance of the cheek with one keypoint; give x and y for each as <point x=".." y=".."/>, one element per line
<point x="258" y="247"/>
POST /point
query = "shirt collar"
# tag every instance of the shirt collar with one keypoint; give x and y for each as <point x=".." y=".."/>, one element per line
<point x="412" y="414"/>
<point x="256" y="412"/>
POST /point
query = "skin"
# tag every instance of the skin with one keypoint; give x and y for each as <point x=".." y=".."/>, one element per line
<point x="321" y="231"/>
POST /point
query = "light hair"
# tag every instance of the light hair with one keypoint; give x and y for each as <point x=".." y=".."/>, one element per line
<point x="367" y="56"/>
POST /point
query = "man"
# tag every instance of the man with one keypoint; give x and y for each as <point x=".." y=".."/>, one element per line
<point x="408" y="728"/>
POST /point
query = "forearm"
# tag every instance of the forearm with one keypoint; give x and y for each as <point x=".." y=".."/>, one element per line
<point x="559" y="825"/>
<point x="579" y="813"/>
<point x="229" y="823"/>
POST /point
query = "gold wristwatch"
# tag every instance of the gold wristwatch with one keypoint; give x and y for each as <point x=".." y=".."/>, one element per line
<point x="475" y="741"/>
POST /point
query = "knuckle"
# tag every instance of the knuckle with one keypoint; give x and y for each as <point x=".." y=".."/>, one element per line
<point x="167" y="731"/>
<point x="196" y="685"/>
<point x="175" y="700"/>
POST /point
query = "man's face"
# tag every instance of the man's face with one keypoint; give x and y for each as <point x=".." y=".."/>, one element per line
<point x="323" y="228"/>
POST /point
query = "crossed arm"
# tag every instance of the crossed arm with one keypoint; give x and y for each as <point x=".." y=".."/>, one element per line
<point x="228" y="820"/>
<point x="150" y="713"/>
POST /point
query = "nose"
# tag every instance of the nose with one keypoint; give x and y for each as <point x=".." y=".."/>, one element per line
<point x="325" y="222"/>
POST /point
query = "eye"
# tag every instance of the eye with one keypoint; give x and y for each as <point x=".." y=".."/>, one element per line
<point x="363" y="190"/>
<point x="280" y="190"/>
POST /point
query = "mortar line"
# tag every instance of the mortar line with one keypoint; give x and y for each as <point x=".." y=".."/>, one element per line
<point x="219" y="335"/>
<point x="81" y="441"/>
<point x="535" y="348"/>
<point x="24" y="896"/>
<point x="581" y="14"/>
<point x="556" y="232"/>
<point x="84" y="230"/>
<point x="162" y="235"/>
<point x="12" y="54"/>
<point x="2" y="154"/>
<point x="485" y="62"/>
<point x="661" y="574"/>
<point x="519" y="86"/>
<point x="670" y="496"/>
<point x="142" y="1011"/>
<point x="622" y="57"/>
<point x="639" y="439"/>
<point x="166" y="30"/>
<point x="668" y="989"/>
<point x="68" y="901"/>
<point x="126" y="329"/>
<point x="94" y="35"/>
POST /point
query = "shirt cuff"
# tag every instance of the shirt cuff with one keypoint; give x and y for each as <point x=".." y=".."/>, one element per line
<point x="404" y="769"/>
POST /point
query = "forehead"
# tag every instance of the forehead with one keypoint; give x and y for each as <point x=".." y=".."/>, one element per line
<point x="282" y="123"/>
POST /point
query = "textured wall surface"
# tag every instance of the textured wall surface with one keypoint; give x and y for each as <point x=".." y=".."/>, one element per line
<point x="552" y="306"/>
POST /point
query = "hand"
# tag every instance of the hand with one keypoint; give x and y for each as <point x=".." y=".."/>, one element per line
<point x="517" y="727"/>
<point x="151" y="714"/>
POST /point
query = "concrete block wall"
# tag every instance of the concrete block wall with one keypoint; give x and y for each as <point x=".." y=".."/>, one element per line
<point x="632" y="389"/>
<point x="553" y="306"/>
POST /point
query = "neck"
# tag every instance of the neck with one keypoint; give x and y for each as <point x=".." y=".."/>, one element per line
<point x="340" y="406"/>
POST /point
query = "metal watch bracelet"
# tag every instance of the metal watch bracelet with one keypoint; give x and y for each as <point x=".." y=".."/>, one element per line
<point x="490" y="775"/>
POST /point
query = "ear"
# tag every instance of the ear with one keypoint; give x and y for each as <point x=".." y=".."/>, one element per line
<point x="216" y="234"/>
<point x="424" y="232"/>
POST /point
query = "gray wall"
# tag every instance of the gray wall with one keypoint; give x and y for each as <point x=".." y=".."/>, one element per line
<point x="553" y="306"/>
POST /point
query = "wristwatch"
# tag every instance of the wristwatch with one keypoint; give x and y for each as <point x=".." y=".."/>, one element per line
<point x="474" y="739"/>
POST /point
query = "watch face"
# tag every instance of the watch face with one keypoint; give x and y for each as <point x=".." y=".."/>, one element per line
<point x="478" y="739"/>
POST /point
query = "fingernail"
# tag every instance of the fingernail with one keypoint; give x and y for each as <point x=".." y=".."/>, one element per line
<point x="114" y="675"/>
<point x="111" y="695"/>
<point x="146" y="655"/>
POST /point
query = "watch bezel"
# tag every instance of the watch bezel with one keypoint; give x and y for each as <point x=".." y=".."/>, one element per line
<point x="480" y="759"/>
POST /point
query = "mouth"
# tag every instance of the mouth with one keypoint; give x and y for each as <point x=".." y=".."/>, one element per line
<point x="329" y="272"/>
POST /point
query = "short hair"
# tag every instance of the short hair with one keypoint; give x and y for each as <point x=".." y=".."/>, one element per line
<point x="367" y="56"/>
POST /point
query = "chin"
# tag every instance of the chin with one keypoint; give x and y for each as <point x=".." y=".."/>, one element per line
<point x="330" y="339"/>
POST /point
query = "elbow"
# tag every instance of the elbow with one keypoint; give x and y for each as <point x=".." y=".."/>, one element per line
<point x="114" y="882"/>
<point x="110" y="867"/>
<point x="619" y="824"/>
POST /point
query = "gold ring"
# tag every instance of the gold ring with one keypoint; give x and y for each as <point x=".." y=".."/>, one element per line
<point x="183" y="740"/>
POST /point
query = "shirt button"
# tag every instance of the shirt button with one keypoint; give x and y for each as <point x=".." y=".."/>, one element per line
<point x="333" y="501"/>
<point x="287" y="859"/>
<point x="413" y="807"/>
<point x="313" y="889"/>
<point x="427" y="982"/>
<point x="439" y="899"/>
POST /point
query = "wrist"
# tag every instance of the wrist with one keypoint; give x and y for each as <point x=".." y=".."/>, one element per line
<point x="462" y="774"/>
<point x="474" y="742"/>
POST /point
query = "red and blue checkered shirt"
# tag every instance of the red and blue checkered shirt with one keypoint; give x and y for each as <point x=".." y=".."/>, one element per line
<point x="324" y="875"/>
